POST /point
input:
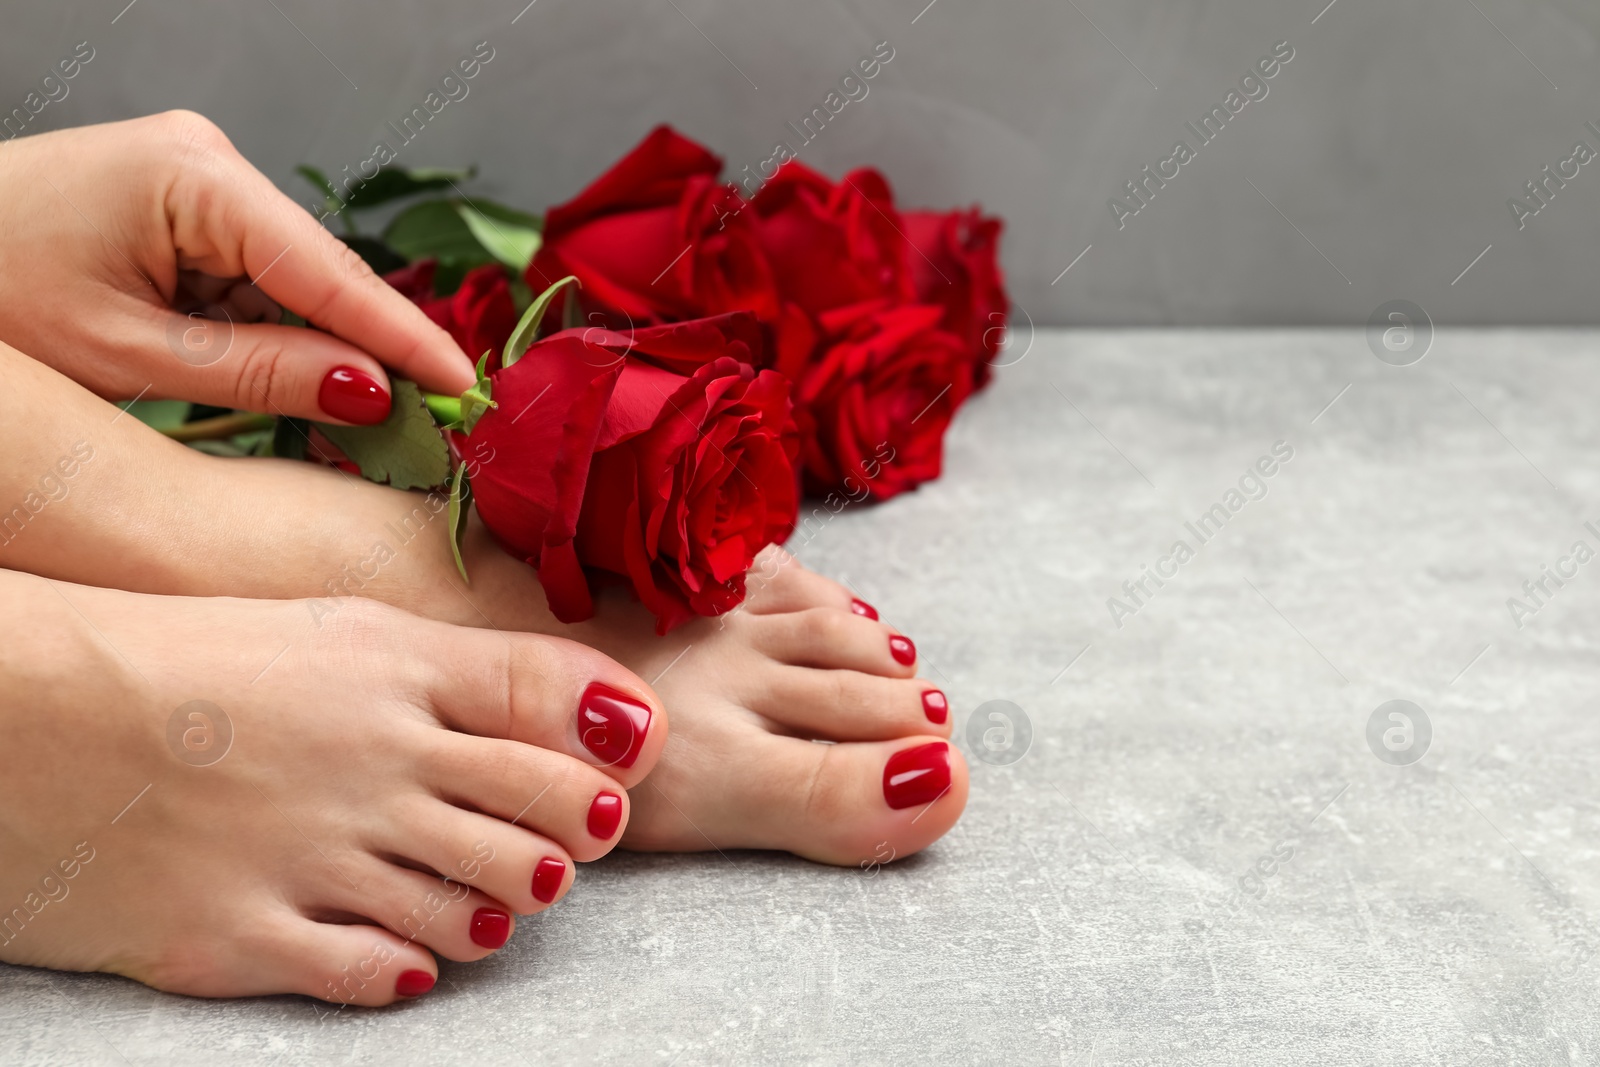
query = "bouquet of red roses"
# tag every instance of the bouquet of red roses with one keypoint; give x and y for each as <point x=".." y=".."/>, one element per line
<point x="715" y="349"/>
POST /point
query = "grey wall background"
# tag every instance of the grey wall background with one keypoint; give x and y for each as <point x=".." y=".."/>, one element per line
<point x="1382" y="157"/>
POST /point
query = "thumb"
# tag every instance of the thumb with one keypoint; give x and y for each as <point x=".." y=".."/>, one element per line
<point x="277" y="370"/>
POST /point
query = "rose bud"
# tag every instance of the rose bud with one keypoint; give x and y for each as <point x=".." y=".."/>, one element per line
<point x="877" y="399"/>
<point x="479" y="316"/>
<point x="954" y="264"/>
<point x="662" y="457"/>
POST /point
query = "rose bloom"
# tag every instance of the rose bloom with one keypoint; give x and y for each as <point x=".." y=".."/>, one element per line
<point x="658" y="238"/>
<point x="480" y="315"/>
<point x="664" y="457"/>
<point x="878" y="399"/>
<point x="832" y="244"/>
<point x="954" y="264"/>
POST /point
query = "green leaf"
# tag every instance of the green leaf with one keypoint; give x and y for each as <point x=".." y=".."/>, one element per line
<point x="330" y="195"/>
<point x="396" y="183"/>
<point x="377" y="255"/>
<point x="331" y="203"/>
<point x="528" y="327"/>
<point x="160" y="414"/>
<point x="440" y="229"/>
<point x="389" y="183"/>
<point x="514" y="244"/>
<point x="406" y="450"/>
<point x="501" y="213"/>
<point x="460" y="508"/>
<point x="435" y="229"/>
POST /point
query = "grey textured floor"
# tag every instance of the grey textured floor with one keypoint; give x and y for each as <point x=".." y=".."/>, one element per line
<point x="1106" y="901"/>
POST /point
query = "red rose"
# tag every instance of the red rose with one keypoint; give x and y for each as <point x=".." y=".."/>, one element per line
<point x="663" y="456"/>
<point x="657" y="238"/>
<point x="832" y="245"/>
<point x="878" y="398"/>
<point x="954" y="264"/>
<point x="480" y="315"/>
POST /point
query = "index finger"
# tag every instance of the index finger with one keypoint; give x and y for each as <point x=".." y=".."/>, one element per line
<point x="237" y="222"/>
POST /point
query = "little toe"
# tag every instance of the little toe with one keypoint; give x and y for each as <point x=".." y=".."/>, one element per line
<point x="548" y="692"/>
<point x="834" y="639"/>
<point x="342" y="964"/>
<point x="443" y="915"/>
<point x="851" y="706"/>
<point x="541" y="792"/>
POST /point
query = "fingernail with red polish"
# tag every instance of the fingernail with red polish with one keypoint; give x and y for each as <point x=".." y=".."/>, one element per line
<point x="547" y="878"/>
<point x="917" y="775"/>
<point x="861" y="607"/>
<point x="605" y="815"/>
<point x="902" y="650"/>
<point x="612" y="725"/>
<point x="935" y="706"/>
<point x="351" y="395"/>
<point x="413" y="983"/>
<point x="490" y="927"/>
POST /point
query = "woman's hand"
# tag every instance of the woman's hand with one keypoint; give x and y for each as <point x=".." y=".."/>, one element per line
<point x="113" y="238"/>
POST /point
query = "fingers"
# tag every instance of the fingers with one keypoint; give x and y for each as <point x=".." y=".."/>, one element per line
<point x="228" y="220"/>
<point x="278" y="370"/>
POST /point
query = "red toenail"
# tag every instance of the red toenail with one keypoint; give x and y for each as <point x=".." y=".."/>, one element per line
<point x="935" y="706"/>
<point x="605" y="815"/>
<point x="918" y="775"/>
<point x="413" y="983"/>
<point x="612" y="725"/>
<point x="547" y="879"/>
<point x="861" y="607"/>
<point x="902" y="650"/>
<point x="490" y="927"/>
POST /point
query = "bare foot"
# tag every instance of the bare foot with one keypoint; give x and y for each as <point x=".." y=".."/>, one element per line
<point x="227" y="798"/>
<point x="750" y="693"/>
<point x="747" y="697"/>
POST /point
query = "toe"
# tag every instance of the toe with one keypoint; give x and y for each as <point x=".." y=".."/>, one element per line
<point x="847" y="804"/>
<point x="834" y="639"/>
<point x="341" y="964"/>
<point x="549" y="692"/>
<point x="542" y="792"/>
<point x="440" y="914"/>
<point x="777" y="582"/>
<point x="506" y="862"/>
<point x="851" y="706"/>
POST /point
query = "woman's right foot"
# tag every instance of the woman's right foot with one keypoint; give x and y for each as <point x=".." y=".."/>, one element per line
<point x="229" y="798"/>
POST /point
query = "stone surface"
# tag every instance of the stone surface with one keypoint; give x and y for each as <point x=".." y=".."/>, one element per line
<point x="1106" y="900"/>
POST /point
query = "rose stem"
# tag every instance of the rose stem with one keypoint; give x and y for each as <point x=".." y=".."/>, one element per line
<point x="220" y="428"/>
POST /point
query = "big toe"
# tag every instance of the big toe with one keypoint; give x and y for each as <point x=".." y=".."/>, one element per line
<point x="848" y="804"/>
<point x="545" y="691"/>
